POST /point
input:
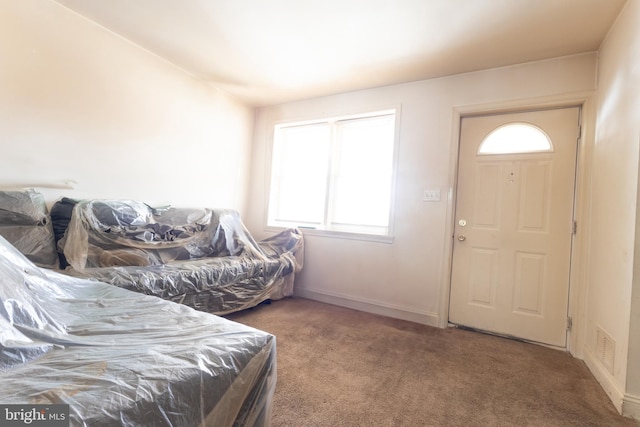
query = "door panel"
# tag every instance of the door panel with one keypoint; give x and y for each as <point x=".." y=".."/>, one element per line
<point x="529" y="283"/>
<point x="482" y="277"/>
<point x="533" y="206"/>
<point x="488" y="196"/>
<point x="513" y="231"/>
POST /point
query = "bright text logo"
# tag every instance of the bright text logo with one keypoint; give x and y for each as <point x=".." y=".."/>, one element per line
<point x="34" y="415"/>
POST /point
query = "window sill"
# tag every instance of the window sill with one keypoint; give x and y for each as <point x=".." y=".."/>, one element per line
<point x="336" y="234"/>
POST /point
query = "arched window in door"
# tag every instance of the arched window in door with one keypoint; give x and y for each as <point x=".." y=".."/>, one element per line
<point x="515" y="138"/>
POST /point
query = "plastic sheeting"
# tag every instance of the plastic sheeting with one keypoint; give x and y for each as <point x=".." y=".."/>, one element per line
<point x="103" y="233"/>
<point x="25" y="223"/>
<point x="22" y="208"/>
<point x="200" y="257"/>
<point x="122" y="358"/>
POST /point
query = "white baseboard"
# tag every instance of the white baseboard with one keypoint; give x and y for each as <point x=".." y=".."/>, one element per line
<point x="369" y="306"/>
<point x="631" y="406"/>
<point x="605" y="379"/>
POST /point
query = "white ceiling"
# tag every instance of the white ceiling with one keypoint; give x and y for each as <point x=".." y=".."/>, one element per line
<point x="272" y="51"/>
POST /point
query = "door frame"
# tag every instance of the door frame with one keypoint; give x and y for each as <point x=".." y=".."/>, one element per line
<point x="576" y="337"/>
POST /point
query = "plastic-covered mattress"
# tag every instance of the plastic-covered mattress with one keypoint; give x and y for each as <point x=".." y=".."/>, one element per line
<point x="204" y="258"/>
<point x="123" y="358"/>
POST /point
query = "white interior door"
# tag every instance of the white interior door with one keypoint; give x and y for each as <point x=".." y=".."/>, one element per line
<point x="514" y="224"/>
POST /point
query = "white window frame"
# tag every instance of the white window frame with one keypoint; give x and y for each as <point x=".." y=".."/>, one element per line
<point x="516" y="150"/>
<point x="337" y="233"/>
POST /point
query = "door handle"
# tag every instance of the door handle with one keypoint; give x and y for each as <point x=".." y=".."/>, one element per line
<point x="462" y="237"/>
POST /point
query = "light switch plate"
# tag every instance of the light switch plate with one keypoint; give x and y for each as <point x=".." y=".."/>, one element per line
<point x="431" y="195"/>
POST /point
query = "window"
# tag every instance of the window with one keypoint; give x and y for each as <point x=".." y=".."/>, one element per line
<point x="516" y="138"/>
<point x="334" y="175"/>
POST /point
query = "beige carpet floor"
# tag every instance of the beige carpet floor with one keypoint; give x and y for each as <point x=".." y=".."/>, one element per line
<point x="341" y="367"/>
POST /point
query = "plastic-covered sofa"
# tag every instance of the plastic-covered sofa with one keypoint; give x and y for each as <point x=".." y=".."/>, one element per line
<point x="120" y="358"/>
<point x="204" y="258"/>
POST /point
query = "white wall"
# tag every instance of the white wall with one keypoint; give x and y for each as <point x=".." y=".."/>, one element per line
<point x="80" y="103"/>
<point x="614" y="239"/>
<point x="408" y="278"/>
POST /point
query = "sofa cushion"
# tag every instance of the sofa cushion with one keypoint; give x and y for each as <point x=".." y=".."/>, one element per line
<point x="25" y="223"/>
<point x="120" y="213"/>
<point x="35" y="242"/>
<point x="22" y="208"/>
<point x="166" y="235"/>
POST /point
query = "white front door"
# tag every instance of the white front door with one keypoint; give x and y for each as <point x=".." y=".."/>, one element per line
<point x="514" y="224"/>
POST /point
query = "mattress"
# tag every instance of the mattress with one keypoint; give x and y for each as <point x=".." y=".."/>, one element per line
<point x="122" y="358"/>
